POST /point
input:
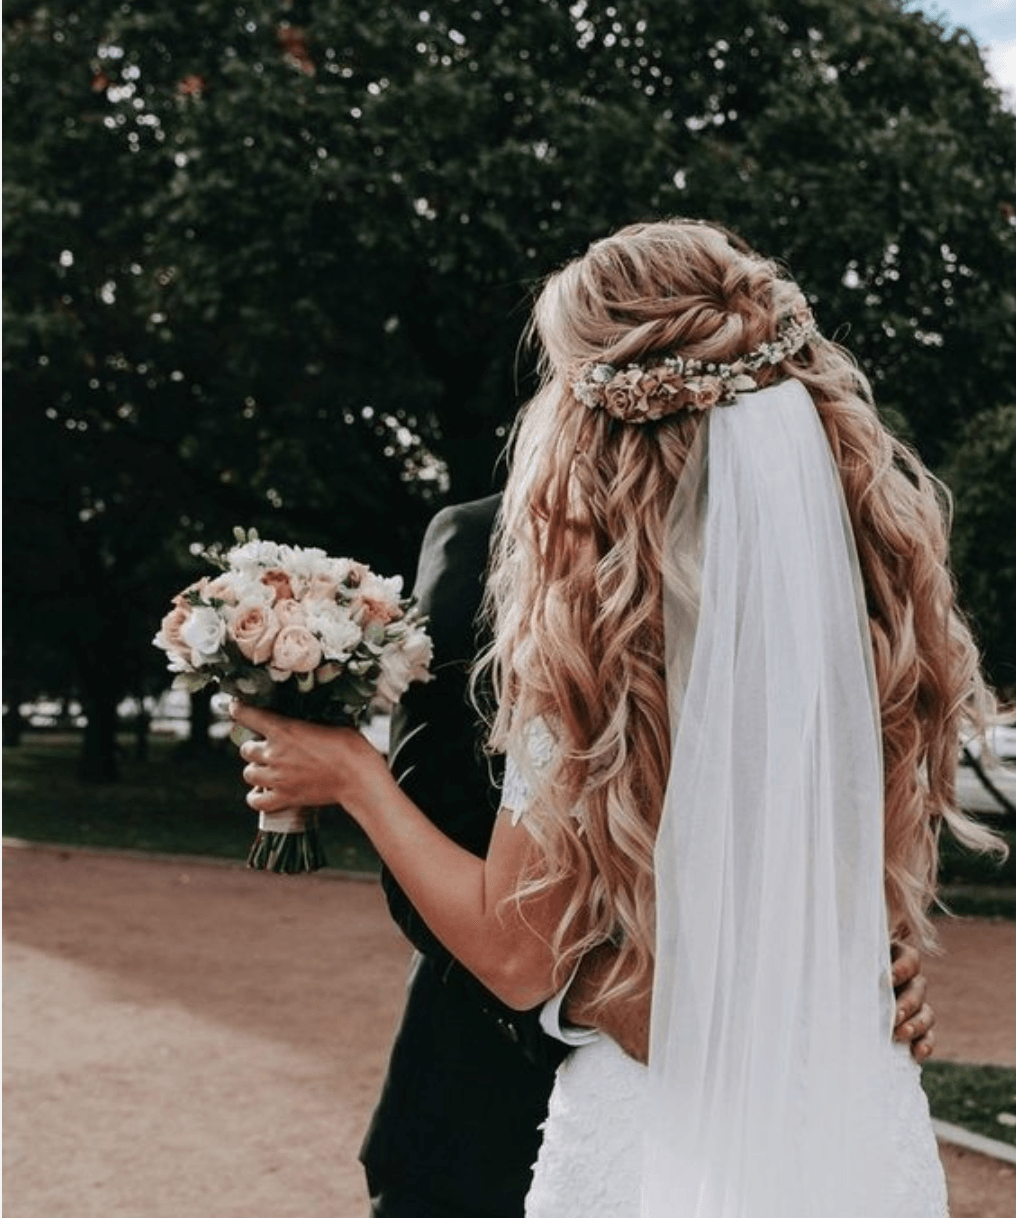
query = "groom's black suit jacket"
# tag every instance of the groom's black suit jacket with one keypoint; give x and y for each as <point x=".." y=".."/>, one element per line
<point x="468" y="1078"/>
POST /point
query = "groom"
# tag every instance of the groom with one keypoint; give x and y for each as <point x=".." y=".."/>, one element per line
<point x="456" y="1129"/>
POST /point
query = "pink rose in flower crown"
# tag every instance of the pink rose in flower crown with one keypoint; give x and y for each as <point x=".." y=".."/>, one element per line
<point x="622" y="391"/>
<point x="707" y="391"/>
<point x="296" y="650"/>
<point x="253" y="628"/>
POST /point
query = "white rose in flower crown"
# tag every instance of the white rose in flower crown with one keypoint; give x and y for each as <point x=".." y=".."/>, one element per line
<point x="203" y="633"/>
<point x="402" y="664"/>
<point x="253" y="627"/>
<point x="332" y="624"/>
<point x="296" y="650"/>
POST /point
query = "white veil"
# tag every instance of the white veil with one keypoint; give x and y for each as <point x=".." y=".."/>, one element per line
<point x="772" y="996"/>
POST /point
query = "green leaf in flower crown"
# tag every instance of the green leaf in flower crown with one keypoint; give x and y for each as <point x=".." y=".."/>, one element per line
<point x="305" y="682"/>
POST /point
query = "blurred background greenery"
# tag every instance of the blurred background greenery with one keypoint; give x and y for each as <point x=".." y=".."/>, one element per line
<point x="269" y="264"/>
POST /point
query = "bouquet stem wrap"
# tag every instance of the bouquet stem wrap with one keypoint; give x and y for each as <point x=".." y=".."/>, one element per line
<point x="287" y="842"/>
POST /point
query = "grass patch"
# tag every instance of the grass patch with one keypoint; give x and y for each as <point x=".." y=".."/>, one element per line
<point x="979" y="901"/>
<point x="974" y="1097"/>
<point x="171" y="803"/>
<point x="979" y="885"/>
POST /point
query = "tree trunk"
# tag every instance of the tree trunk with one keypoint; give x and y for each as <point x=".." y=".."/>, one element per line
<point x="201" y="718"/>
<point x="142" y="723"/>
<point x="13" y="726"/>
<point x="199" y="739"/>
<point x="98" y="758"/>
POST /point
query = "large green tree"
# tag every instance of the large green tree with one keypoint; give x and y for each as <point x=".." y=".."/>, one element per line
<point x="268" y="263"/>
<point x="981" y="474"/>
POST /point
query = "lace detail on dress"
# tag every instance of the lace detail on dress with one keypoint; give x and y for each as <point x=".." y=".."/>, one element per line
<point x="591" y="1158"/>
<point x="516" y="793"/>
<point x="918" y="1181"/>
<point x="590" y="1163"/>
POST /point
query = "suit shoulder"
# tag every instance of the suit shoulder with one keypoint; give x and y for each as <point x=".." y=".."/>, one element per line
<point x="460" y="527"/>
<point x="475" y="515"/>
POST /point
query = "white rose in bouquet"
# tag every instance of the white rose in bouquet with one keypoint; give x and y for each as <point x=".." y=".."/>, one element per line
<point x="401" y="666"/>
<point x="203" y="632"/>
<point x="318" y="638"/>
<point x="334" y="626"/>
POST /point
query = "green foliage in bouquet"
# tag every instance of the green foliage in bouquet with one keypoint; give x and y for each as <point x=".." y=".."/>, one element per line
<point x="300" y="633"/>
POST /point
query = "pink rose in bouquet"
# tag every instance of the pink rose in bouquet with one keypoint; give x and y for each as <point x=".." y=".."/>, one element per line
<point x="318" y="638"/>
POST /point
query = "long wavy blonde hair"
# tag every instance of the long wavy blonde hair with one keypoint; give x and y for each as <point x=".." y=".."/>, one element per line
<point x="575" y="590"/>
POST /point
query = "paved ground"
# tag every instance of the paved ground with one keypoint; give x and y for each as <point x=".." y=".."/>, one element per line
<point x="194" y="1040"/>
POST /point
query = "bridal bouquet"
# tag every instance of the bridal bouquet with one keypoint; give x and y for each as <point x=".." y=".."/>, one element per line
<point x="288" y="628"/>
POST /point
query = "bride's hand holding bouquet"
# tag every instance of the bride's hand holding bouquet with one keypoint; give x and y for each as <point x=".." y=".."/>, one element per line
<point x="293" y="763"/>
<point x="321" y="641"/>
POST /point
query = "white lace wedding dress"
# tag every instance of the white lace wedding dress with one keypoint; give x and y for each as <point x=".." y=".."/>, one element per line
<point x="591" y="1160"/>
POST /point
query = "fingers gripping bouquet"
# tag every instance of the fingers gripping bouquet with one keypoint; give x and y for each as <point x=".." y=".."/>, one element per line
<point x="313" y="637"/>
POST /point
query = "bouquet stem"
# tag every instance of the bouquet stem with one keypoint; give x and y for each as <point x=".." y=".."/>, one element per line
<point x="287" y="842"/>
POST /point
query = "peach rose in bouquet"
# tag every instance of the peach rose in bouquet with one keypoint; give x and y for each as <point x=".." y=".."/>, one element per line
<point x="290" y="628"/>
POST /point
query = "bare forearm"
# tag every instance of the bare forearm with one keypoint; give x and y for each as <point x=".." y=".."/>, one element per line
<point x="459" y="896"/>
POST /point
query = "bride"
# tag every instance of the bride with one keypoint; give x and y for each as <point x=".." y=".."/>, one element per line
<point x="730" y="682"/>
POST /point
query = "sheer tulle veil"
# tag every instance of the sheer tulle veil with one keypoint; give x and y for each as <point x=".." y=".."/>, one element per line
<point x="771" y="993"/>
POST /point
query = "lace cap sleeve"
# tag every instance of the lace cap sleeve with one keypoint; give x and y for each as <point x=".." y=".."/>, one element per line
<point x="516" y="794"/>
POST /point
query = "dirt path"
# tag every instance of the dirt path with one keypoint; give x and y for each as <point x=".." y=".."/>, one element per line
<point x="200" y="1040"/>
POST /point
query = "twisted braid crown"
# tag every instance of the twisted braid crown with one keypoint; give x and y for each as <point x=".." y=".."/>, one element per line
<point x="643" y="392"/>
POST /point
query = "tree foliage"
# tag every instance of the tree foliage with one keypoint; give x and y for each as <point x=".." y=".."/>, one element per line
<point x="269" y="263"/>
<point x="982" y="477"/>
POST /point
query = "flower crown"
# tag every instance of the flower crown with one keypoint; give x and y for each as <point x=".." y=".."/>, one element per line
<point x="643" y="393"/>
